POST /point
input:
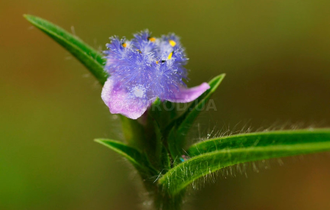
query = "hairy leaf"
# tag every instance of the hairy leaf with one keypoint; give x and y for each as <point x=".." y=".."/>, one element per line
<point x="89" y="57"/>
<point x="285" y="137"/>
<point x="214" y="154"/>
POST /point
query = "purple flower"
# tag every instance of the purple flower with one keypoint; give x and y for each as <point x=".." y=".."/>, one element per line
<point x="143" y="69"/>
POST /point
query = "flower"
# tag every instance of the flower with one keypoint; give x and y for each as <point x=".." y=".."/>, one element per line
<point x="144" y="69"/>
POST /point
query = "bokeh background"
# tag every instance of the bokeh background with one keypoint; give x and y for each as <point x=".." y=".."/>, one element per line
<point x="276" y="54"/>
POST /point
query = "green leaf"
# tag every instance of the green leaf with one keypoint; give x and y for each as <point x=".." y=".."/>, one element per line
<point x="286" y="137"/>
<point x="84" y="53"/>
<point x="133" y="155"/>
<point x="181" y="126"/>
<point x="212" y="155"/>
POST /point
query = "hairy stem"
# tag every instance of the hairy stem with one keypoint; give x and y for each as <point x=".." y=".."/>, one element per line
<point x="165" y="201"/>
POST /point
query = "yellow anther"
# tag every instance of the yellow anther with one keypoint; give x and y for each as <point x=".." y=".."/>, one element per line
<point x="157" y="62"/>
<point x="124" y="45"/>
<point x="152" y="39"/>
<point x="172" y="43"/>
<point x="138" y="50"/>
<point x="170" y="56"/>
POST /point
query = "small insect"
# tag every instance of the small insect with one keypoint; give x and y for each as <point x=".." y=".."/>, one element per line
<point x="184" y="158"/>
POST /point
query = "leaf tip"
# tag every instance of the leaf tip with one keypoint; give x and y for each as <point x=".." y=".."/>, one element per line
<point x="99" y="140"/>
<point x="27" y="16"/>
<point x="221" y="76"/>
<point x="215" y="82"/>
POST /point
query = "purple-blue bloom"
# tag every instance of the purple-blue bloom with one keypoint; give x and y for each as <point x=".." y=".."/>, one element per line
<point x="143" y="69"/>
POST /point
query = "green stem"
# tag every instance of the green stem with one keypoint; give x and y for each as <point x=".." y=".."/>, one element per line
<point x="165" y="201"/>
<point x="149" y="138"/>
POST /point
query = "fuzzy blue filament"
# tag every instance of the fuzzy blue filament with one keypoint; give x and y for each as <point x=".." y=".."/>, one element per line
<point x="144" y="69"/>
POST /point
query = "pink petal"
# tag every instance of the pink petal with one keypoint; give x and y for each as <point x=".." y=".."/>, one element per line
<point x="120" y="101"/>
<point x="185" y="95"/>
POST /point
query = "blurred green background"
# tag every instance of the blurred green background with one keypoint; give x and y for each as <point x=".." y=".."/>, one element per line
<point x="276" y="54"/>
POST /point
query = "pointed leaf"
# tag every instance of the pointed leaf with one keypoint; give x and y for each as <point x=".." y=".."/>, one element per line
<point x="84" y="53"/>
<point x="215" y="154"/>
<point x="131" y="154"/>
<point x="181" y="126"/>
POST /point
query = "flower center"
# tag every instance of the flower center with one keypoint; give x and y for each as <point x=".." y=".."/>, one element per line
<point x="138" y="91"/>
